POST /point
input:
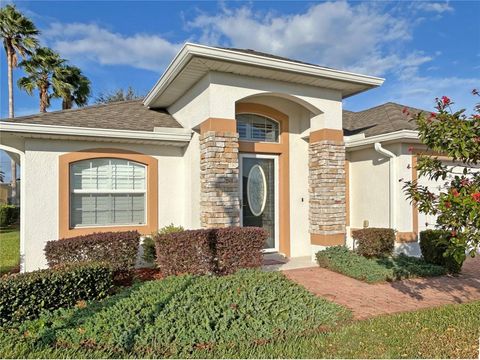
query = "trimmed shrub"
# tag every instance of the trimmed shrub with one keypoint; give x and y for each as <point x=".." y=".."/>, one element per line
<point x="239" y="248"/>
<point x="371" y="270"/>
<point x="149" y="253"/>
<point x="118" y="249"/>
<point x="374" y="241"/>
<point x="434" y="244"/>
<point x="184" y="252"/>
<point x="210" y="251"/>
<point x="25" y="296"/>
<point x="9" y="215"/>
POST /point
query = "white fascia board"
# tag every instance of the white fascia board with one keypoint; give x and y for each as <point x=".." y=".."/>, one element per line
<point x="404" y="135"/>
<point x="190" y="50"/>
<point x="178" y="135"/>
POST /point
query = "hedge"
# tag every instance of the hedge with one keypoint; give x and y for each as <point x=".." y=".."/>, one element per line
<point x="238" y="248"/>
<point x="149" y="253"/>
<point x="374" y="241"/>
<point x="434" y="244"/>
<point x="185" y="252"/>
<point x="210" y="251"/>
<point x="9" y="215"/>
<point x="372" y="270"/>
<point x="25" y="296"/>
<point x="118" y="249"/>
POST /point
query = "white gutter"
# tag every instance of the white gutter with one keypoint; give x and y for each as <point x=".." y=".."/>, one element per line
<point x="408" y="135"/>
<point x="159" y="134"/>
<point x="190" y="50"/>
<point x="393" y="183"/>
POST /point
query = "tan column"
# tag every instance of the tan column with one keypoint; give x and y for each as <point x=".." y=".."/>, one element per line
<point x="219" y="173"/>
<point x="327" y="187"/>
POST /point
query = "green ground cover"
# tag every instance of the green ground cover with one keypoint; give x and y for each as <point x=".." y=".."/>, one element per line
<point x="176" y="317"/>
<point x="373" y="270"/>
<point x="9" y="249"/>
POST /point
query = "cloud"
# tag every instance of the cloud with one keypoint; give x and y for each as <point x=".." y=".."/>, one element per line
<point x="436" y="7"/>
<point x="362" y="37"/>
<point x="90" y="42"/>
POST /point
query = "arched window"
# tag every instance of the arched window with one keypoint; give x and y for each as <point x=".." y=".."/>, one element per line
<point x="107" y="191"/>
<point x="251" y="127"/>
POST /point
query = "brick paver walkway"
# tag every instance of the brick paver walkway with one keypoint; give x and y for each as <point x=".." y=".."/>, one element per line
<point x="367" y="300"/>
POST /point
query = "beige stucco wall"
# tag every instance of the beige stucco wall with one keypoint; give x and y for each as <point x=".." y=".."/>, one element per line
<point x="309" y="108"/>
<point x="41" y="189"/>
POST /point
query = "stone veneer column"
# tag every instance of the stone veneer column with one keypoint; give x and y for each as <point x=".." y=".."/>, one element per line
<point x="327" y="211"/>
<point x="219" y="174"/>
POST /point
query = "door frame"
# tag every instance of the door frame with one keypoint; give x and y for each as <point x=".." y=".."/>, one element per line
<point x="275" y="195"/>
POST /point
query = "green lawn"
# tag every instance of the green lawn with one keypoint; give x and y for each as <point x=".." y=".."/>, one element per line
<point x="9" y="249"/>
<point x="372" y="270"/>
<point x="450" y="331"/>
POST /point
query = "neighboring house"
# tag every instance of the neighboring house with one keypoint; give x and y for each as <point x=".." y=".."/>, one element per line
<point x="225" y="137"/>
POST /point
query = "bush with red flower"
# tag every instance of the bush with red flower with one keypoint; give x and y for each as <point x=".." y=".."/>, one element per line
<point x="457" y="207"/>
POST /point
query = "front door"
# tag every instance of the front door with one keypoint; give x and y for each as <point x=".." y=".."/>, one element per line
<point x="259" y="195"/>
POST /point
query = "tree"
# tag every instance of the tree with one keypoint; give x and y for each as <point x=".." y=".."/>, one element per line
<point x="457" y="207"/>
<point x="71" y="86"/>
<point x="117" y="95"/>
<point x="19" y="38"/>
<point x="43" y="70"/>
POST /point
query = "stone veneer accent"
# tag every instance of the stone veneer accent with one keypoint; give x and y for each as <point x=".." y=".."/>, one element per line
<point x="219" y="179"/>
<point x="327" y="212"/>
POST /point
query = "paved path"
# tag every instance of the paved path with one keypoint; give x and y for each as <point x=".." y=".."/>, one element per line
<point x="367" y="300"/>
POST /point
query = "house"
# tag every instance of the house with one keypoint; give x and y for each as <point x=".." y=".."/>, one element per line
<point x="226" y="137"/>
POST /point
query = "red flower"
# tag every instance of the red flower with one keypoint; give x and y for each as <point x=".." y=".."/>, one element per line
<point x="448" y="204"/>
<point x="476" y="197"/>
<point x="433" y="115"/>
<point x="445" y="100"/>
<point x="410" y="149"/>
<point x="465" y="182"/>
<point x="454" y="233"/>
<point x="455" y="193"/>
<point x="476" y="117"/>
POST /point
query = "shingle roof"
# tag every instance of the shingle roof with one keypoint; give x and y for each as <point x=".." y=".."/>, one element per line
<point x="382" y="119"/>
<point x="271" y="56"/>
<point x="123" y="115"/>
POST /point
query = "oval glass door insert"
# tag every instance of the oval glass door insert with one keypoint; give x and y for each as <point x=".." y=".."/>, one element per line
<point x="256" y="190"/>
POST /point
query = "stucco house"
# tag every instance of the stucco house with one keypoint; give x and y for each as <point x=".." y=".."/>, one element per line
<point x="225" y="137"/>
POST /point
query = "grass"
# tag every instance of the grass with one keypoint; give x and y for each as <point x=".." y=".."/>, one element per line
<point x="450" y="331"/>
<point x="177" y="317"/>
<point x="346" y="262"/>
<point x="9" y="249"/>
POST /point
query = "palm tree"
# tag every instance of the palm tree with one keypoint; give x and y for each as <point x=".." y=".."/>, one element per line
<point x="71" y="86"/>
<point x="42" y="69"/>
<point x="19" y="38"/>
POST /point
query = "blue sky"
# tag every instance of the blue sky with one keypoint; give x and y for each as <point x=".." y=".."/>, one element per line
<point x="423" y="49"/>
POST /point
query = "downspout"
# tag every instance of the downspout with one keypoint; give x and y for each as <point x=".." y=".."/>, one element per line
<point x="393" y="183"/>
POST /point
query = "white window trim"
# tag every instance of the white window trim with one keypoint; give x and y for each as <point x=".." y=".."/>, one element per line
<point x="108" y="191"/>
<point x="266" y="117"/>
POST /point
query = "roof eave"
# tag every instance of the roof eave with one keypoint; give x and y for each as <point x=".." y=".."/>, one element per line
<point x="160" y="134"/>
<point x="396" y="136"/>
<point x="190" y="50"/>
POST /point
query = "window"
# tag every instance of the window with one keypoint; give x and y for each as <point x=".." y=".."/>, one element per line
<point x="253" y="127"/>
<point x="107" y="191"/>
